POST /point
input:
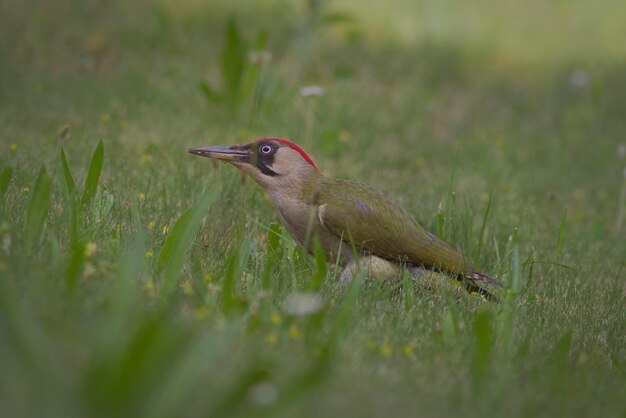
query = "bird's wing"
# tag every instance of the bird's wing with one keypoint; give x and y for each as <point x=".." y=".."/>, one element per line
<point x="378" y="225"/>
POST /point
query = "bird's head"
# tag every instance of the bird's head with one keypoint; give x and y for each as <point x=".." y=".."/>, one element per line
<point x="272" y="162"/>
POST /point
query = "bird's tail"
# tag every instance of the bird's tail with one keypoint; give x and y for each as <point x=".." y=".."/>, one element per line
<point x="481" y="283"/>
<point x="481" y="278"/>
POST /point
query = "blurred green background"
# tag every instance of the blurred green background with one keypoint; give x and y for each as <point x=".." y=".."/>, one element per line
<point x="137" y="280"/>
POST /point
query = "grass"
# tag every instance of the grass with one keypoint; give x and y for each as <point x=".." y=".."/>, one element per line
<point x="137" y="280"/>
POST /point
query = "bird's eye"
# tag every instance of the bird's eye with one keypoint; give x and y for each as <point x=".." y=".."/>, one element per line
<point x="266" y="149"/>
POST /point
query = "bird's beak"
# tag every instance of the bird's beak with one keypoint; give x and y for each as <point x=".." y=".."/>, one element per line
<point x="233" y="154"/>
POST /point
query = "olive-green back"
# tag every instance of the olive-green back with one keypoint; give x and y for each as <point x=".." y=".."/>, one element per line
<point x="378" y="225"/>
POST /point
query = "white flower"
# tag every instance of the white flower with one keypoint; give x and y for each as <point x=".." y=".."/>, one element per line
<point x="311" y="91"/>
<point x="264" y="394"/>
<point x="579" y="78"/>
<point x="303" y="303"/>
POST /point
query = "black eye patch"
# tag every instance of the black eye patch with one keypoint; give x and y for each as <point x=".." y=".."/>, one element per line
<point x="265" y="153"/>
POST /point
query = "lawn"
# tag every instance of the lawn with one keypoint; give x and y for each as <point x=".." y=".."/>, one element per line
<point x="139" y="280"/>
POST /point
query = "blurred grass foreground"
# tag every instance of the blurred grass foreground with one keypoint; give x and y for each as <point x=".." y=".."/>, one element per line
<point x="136" y="280"/>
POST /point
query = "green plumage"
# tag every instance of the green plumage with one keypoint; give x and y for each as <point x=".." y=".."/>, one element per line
<point x="380" y="226"/>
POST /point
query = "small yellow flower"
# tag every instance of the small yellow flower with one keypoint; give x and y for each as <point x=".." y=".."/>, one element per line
<point x="187" y="287"/>
<point x="271" y="338"/>
<point x="105" y="117"/>
<point x="25" y="190"/>
<point x="276" y="319"/>
<point x="408" y="351"/>
<point x="90" y="248"/>
<point x="142" y="196"/>
<point x="13" y="147"/>
<point x="207" y="277"/>
<point x="165" y="229"/>
<point x="344" y="135"/>
<point x="473" y="293"/>
<point x="294" y="332"/>
<point x="149" y="286"/>
<point x="385" y="350"/>
<point x="149" y="253"/>
<point x="201" y="313"/>
<point x="419" y="161"/>
<point x="145" y="159"/>
<point x="151" y="224"/>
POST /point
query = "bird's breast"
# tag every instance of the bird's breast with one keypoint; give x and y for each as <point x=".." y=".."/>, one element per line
<point x="302" y="221"/>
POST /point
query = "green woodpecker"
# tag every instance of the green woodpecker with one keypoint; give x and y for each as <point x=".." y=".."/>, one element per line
<point x="344" y="215"/>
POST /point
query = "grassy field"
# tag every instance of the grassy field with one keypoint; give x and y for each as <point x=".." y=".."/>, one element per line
<point x="138" y="280"/>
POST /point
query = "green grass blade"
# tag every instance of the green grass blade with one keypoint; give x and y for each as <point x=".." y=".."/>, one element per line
<point x="449" y="327"/>
<point x="234" y="56"/>
<point x="507" y="314"/>
<point x="440" y="221"/>
<point x="559" y="241"/>
<point x="71" y="195"/>
<point x="211" y="95"/>
<point x="408" y="290"/>
<point x="75" y="265"/>
<point x="481" y="235"/>
<point x="133" y="266"/>
<point x="93" y="175"/>
<point x="468" y="217"/>
<point x="345" y="311"/>
<point x="124" y="295"/>
<point x="234" y="269"/>
<point x="70" y="185"/>
<point x="516" y="278"/>
<point x="37" y="210"/>
<point x="274" y="254"/>
<point x="443" y="213"/>
<point x="180" y="239"/>
<point x="274" y="237"/>
<point x="119" y="380"/>
<point x="200" y="358"/>
<point x="482" y="355"/>
<point x="5" y="180"/>
<point x="559" y="361"/>
<point x="322" y="266"/>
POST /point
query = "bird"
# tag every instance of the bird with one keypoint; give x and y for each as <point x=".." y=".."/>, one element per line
<point x="353" y="223"/>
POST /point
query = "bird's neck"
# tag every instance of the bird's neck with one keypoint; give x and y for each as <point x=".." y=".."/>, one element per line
<point x="294" y="185"/>
<point x="293" y="201"/>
